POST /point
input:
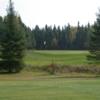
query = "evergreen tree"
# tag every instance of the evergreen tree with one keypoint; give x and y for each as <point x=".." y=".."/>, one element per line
<point x="29" y="35"/>
<point x="38" y="37"/>
<point x="94" y="47"/>
<point x="48" y="37"/>
<point x="54" y="42"/>
<point x="81" y="36"/>
<point x="2" y="28"/>
<point x="87" y="32"/>
<point x="69" y="43"/>
<point x="13" y="44"/>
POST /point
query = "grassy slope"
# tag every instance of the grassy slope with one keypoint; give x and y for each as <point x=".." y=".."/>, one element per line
<point x="57" y="57"/>
<point x="51" y="89"/>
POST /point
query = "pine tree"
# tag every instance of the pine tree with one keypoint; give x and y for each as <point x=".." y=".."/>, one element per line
<point x="94" y="47"/>
<point x="13" y="44"/>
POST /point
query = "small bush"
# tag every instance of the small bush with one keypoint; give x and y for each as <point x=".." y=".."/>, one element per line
<point x="52" y="68"/>
<point x="10" y="66"/>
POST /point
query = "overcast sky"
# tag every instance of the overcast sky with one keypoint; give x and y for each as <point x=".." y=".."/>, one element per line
<point x="58" y="12"/>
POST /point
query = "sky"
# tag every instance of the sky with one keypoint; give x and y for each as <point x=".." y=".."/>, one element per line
<point x="50" y="12"/>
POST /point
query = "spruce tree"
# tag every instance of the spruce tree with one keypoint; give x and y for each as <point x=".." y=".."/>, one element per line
<point x="13" y="44"/>
<point x="94" y="45"/>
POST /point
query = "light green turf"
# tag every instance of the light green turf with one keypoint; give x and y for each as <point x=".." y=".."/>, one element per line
<point x="51" y="89"/>
<point x="58" y="57"/>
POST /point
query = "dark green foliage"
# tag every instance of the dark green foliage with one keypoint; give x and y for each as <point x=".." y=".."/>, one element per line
<point x="10" y="66"/>
<point x="67" y="38"/>
<point x="94" y="46"/>
<point x="2" y="28"/>
<point x="81" y="37"/>
<point x="48" y="37"/>
<point x="54" y="34"/>
<point x="39" y="37"/>
<point x="13" y="43"/>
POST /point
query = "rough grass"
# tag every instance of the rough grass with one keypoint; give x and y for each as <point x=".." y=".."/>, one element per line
<point x="40" y="58"/>
<point x="39" y="75"/>
<point x="51" y="89"/>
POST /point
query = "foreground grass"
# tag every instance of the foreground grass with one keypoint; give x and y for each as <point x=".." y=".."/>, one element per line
<point x="38" y="75"/>
<point x="40" y="58"/>
<point x="50" y="89"/>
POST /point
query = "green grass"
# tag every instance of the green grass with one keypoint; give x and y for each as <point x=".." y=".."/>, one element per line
<point x="40" y="58"/>
<point x="50" y="89"/>
<point x="40" y="85"/>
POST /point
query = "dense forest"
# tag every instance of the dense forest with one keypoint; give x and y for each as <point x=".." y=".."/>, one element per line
<point x="65" y="38"/>
<point x="52" y="37"/>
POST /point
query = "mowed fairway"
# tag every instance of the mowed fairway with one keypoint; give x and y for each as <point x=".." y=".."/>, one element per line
<point x="51" y="89"/>
<point x="58" y="57"/>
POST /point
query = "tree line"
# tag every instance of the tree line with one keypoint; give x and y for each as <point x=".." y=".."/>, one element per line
<point x="65" y="38"/>
<point x="52" y="37"/>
